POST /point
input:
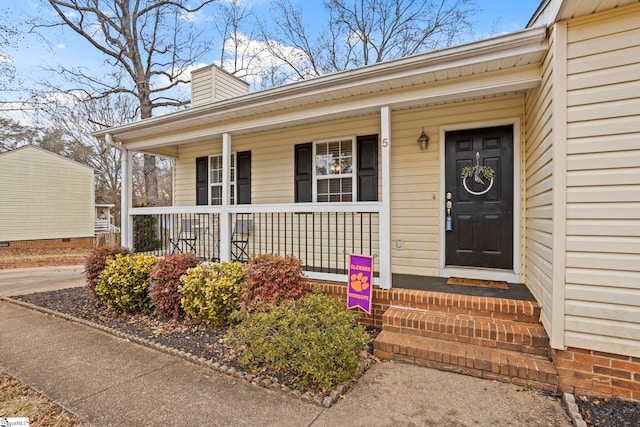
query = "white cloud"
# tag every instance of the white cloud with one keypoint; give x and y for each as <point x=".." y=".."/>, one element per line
<point x="61" y="46"/>
<point x="256" y="60"/>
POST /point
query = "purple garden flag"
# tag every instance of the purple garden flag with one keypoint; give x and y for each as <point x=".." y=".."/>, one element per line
<point x="360" y="281"/>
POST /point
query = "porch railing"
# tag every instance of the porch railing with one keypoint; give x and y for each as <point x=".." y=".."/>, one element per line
<point x="321" y="236"/>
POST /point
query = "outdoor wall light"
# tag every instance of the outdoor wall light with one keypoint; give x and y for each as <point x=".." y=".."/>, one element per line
<point x="423" y="140"/>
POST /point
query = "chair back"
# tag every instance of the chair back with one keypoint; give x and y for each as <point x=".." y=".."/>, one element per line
<point x="242" y="226"/>
<point x="189" y="225"/>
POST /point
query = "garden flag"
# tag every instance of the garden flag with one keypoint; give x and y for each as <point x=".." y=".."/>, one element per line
<point x="360" y="282"/>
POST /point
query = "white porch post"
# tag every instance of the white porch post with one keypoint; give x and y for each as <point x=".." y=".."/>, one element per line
<point x="225" y="220"/>
<point x="385" y="213"/>
<point x="126" y="198"/>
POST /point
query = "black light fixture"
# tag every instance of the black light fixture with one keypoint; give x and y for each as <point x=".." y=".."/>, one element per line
<point x="423" y="140"/>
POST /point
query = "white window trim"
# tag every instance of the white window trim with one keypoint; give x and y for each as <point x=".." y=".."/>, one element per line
<point x="231" y="183"/>
<point x="354" y="167"/>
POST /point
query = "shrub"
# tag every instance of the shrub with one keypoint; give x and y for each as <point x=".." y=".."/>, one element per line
<point x="212" y="293"/>
<point x="95" y="261"/>
<point x="146" y="233"/>
<point x="123" y="284"/>
<point x="272" y="278"/>
<point x="164" y="281"/>
<point x="315" y="336"/>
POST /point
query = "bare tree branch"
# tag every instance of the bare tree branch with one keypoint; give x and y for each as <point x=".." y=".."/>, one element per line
<point x="147" y="48"/>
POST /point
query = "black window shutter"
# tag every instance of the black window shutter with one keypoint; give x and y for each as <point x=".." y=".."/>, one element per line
<point x="303" y="172"/>
<point x="202" y="181"/>
<point x="243" y="177"/>
<point x="367" y="168"/>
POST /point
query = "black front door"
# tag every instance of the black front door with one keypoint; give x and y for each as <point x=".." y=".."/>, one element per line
<point x="481" y="211"/>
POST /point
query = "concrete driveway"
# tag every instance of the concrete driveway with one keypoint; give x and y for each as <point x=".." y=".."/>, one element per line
<point x="20" y="281"/>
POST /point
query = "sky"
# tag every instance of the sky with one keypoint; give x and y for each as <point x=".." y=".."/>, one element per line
<point x="31" y="54"/>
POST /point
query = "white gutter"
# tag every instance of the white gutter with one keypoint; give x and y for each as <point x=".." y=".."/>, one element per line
<point x="108" y="139"/>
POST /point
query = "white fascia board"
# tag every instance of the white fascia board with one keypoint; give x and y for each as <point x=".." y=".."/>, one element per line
<point x="527" y="41"/>
<point x="510" y="81"/>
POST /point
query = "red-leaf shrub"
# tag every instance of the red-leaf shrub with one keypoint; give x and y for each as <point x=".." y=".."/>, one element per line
<point x="164" y="281"/>
<point x="270" y="279"/>
<point x="95" y="262"/>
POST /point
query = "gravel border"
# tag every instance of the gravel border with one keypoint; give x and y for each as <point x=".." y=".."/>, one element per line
<point x="325" y="400"/>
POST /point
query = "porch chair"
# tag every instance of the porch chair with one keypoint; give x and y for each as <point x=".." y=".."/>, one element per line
<point x="240" y="240"/>
<point x="187" y="237"/>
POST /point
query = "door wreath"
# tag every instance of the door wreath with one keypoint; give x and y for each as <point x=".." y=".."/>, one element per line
<point x="478" y="172"/>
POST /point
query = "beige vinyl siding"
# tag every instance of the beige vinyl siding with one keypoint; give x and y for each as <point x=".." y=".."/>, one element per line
<point x="415" y="174"/>
<point x="538" y="155"/>
<point x="415" y="177"/>
<point x="272" y="182"/>
<point x="603" y="180"/>
<point x="44" y="196"/>
<point x="211" y="84"/>
<point x="272" y="157"/>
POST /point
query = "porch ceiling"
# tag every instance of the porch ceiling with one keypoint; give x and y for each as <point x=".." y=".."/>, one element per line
<point x="489" y="67"/>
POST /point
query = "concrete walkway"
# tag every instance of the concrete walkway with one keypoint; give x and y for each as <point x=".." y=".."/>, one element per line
<point x="108" y="381"/>
<point x="20" y="281"/>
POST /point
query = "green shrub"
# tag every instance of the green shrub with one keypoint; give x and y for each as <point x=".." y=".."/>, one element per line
<point x="212" y="293"/>
<point x="272" y="278"/>
<point x="146" y="233"/>
<point x="95" y="261"/>
<point x="315" y="336"/>
<point x="164" y="281"/>
<point x="123" y="284"/>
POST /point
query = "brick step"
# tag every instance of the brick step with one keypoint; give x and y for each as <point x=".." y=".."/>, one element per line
<point x="524" y="337"/>
<point x="497" y="364"/>
<point x="492" y="308"/>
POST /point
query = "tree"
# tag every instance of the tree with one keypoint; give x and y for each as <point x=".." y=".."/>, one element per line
<point x="149" y="49"/>
<point x="67" y="123"/>
<point x="362" y="32"/>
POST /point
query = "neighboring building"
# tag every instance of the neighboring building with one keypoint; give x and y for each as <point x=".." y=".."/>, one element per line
<point x="330" y="166"/>
<point x="46" y="200"/>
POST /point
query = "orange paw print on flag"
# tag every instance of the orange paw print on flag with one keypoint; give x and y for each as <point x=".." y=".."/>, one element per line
<point x="359" y="282"/>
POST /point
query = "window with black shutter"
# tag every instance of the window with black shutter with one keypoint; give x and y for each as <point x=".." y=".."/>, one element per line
<point x="209" y="175"/>
<point x="243" y="178"/>
<point x="303" y="172"/>
<point x="202" y="181"/>
<point x="367" y="152"/>
<point x="335" y="177"/>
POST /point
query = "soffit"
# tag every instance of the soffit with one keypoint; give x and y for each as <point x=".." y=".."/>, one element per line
<point x="550" y="11"/>
<point x="578" y="8"/>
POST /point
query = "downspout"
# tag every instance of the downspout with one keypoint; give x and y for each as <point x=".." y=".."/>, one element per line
<point x="126" y="225"/>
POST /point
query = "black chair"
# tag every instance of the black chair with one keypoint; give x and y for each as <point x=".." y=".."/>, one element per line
<point x="240" y="240"/>
<point x="187" y="237"/>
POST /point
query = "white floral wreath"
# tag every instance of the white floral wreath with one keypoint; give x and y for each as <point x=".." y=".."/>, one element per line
<point x="486" y="171"/>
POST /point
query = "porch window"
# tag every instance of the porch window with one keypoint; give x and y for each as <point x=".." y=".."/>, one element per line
<point x="334" y="171"/>
<point x="215" y="179"/>
<point x="340" y="170"/>
<point x="209" y="179"/>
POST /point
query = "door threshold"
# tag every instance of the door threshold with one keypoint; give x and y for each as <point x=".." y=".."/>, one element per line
<point x="480" y="273"/>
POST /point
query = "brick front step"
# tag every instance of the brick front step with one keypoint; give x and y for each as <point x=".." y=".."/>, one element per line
<point x="470" y="359"/>
<point x="524" y="337"/>
<point x="475" y="306"/>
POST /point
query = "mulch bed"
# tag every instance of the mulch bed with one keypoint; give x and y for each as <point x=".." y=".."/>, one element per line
<point x="209" y="343"/>
<point x="190" y="336"/>
<point x="600" y="412"/>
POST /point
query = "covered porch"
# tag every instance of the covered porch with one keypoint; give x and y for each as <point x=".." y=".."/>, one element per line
<point x="397" y="219"/>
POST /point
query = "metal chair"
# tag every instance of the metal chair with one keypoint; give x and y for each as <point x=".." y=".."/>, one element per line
<point x="240" y="240"/>
<point x="187" y="237"/>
